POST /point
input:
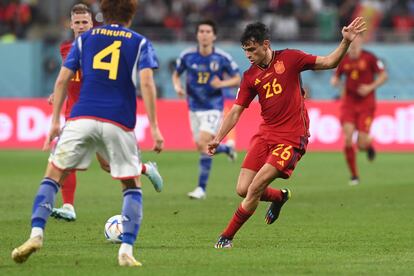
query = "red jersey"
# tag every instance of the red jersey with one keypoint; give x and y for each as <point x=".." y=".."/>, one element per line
<point x="361" y="70"/>
<point x="74" y="84"/>
<point x="278" y="87"/>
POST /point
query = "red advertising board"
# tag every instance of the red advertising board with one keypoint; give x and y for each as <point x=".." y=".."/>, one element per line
<point x="25" y="123"/>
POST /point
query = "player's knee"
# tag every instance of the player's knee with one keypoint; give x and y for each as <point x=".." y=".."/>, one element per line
<point x="242" y="192"/>
<point x="362" y="145"/>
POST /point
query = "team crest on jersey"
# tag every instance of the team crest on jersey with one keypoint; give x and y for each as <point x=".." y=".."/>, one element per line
<point x="214" y="66"/>
<point x="279" y="67"/>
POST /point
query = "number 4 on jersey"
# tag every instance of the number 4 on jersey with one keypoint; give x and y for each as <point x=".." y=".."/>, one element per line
<point x="111" y="66"/>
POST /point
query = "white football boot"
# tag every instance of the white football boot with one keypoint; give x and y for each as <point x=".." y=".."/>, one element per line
<point x="154" y="176"/>
<point x="198" y="193"/>
<point x="66" y="212"/>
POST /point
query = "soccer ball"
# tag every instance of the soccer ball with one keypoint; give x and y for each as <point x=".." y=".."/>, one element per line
<point x="113" y="229"/>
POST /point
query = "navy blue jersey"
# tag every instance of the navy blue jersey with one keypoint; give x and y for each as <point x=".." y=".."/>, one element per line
<point x="109" y="58"/>
<point x="200" y="71"/>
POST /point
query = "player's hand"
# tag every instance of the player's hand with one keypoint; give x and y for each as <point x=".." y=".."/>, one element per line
<point x="216" y="82"/>
<point x="51" y="98"/>
<point x="53" y="133"/>
<point x="158" y="140"/>
<point x="352" y="30"/>
<point x="180" y="91"/>
<point x="364" y="89"/>
<point x="212" y="146"/>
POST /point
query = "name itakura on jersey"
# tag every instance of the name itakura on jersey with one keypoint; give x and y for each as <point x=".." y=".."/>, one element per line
<point x="24" y="124"/>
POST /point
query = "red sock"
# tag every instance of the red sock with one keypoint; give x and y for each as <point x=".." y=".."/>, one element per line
<point x="350" y="160"/>
<point x="271" y="194"/>
<point x="68" y="188"/>
<point x="240" y="217"/>
<point x="143" y="168"/>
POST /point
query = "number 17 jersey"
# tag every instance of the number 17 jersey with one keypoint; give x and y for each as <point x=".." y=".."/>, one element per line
<point x="109" y="58"/>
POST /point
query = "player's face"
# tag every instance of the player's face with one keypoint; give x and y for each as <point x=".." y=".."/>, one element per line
<point x="256" y="52"/>
<point x="81" y="23"/>
<point x="205" y="35"/>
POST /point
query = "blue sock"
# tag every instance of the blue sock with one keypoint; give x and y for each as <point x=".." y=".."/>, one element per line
<point x="222" y="148"/>
<point x="131" y="214"/>
<point x="205" y="166"/>
<point x="44" y="201"/>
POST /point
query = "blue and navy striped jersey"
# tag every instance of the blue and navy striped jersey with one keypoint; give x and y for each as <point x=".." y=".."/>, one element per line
<point x="109" y="58"/>
<point x="200" y="71"/>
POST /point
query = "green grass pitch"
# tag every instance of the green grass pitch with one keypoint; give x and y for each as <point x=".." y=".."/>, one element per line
<point x="327" y="228"/>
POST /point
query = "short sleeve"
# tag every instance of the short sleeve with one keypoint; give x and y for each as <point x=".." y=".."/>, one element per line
<point x="378" y="64"/>
<point x="72" y="61"/>
<point x="180" y="64"/>
<point x="303" y="61"/>
<point x="245" y="94"/>
<point x="230" y="67"/>
<point x="148" y="58"/>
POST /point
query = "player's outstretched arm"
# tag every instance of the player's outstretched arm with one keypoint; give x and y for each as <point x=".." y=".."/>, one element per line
<point x="228" y="123"/>
<point x="149" y="95"/>
<point x="59" y="97"/>
<point x="349" y="33"/>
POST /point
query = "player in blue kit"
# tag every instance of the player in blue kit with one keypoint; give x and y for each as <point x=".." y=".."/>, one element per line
<point x="209" y="70"/>
<point x="111" y="58"/>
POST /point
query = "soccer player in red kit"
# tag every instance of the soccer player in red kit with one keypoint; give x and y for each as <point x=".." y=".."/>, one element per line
<point x="81" y="21"/>
<point x="364" y="73"/>
<point x="274" y="76"/>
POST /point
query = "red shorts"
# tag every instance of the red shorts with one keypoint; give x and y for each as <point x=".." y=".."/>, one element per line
<point x="282" y="156"/>
<point x="361" y="118"/>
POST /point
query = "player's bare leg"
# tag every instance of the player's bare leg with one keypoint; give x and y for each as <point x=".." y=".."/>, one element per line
<point x="350" y="155"/>
<point x="42" y="207"/>
<point x="365" y="144"/>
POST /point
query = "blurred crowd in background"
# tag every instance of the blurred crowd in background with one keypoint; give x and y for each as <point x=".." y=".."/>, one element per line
<point x="174" y="20"/>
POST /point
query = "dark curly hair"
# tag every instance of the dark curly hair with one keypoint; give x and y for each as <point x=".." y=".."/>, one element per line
<point x="257" y="32"/>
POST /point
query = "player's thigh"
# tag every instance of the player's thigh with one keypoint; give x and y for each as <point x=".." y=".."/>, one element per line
<point x="364" y="120"/>
<point x="195" y="123"/>
<point x="245" y="179"/>
<point x="203" y="139"/>
<point x="284" y="158"/>
<point x="210" y="121"/>
<point x="256" y="154"/>
<point x="119" y="148"/>
<point x="76" y="144"/>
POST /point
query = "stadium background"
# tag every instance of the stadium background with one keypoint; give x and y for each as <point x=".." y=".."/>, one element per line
<point x="328" y="228"/>
<point x="32" y="30"/>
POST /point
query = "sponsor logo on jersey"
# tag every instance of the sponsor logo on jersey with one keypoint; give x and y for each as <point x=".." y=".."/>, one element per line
<point x="279" y="67"/>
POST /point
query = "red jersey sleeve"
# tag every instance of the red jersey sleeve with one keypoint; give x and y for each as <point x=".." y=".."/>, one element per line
<point x="377" y="64"/>
<point x="340" y="69"/>
<point x="303" y="60"/>
<point x="245" y="95"/>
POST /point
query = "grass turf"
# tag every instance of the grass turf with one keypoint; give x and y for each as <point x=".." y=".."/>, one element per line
<point x="327" y="228"/>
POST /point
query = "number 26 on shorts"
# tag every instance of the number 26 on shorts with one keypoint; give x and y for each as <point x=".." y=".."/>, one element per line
<point x="283" y="151"/>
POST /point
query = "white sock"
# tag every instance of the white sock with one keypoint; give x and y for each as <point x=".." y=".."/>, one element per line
<point x="125" y="248"/>
<point x="36" y="231"/>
